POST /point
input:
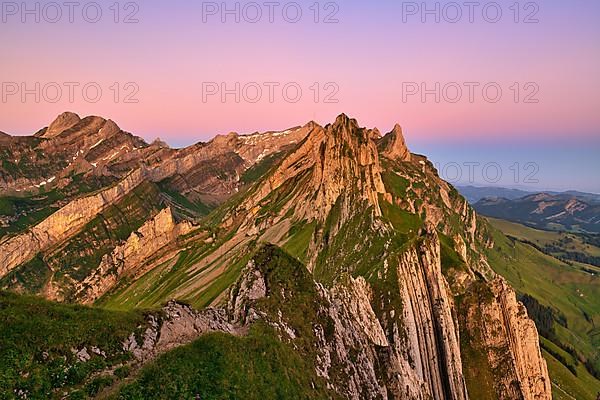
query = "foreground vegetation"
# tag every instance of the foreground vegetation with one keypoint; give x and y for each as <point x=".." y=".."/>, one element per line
<point x="39" y="342"/>
<point x="572" y="248"/>
<point x="222" y="366"/>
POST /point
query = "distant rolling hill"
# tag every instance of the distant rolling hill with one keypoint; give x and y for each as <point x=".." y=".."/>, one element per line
<point x="545" y="211"/>
<point x="475" y="193"/>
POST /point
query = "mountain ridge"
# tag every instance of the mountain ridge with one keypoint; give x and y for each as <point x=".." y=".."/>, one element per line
<point x="476" y="193"/>
<point x="386" y="260"/>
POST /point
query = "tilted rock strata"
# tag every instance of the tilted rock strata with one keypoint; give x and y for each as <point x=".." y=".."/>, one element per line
<point x="62" y="224"/>
<point x="511" y="342"/>
<point x="420" y="347"/>
<point x="76" y="214"/>
<point x="430" y="328"/>
<point x="63" y="122"/>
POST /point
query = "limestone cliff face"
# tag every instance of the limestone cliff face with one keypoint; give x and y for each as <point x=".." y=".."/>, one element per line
<point x="499" y="326"/>
<point x="430" y="328"/>
<point x="128" y="258"/>
<point x="410" y="353"/>
<point x="522" y="336"/>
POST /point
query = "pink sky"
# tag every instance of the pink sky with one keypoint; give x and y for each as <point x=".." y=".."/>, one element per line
<point x="369" y="55"/>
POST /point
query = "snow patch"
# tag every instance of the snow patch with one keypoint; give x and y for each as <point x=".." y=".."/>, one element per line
<point x="97" y="144"/>
<point x="262" y="155"/>
<point x="113" y="155"/>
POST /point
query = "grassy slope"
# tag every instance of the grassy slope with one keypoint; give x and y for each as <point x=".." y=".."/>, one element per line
<point x="216" y="366"/>
<point x="257" y="366"/>
<point x="36" y="338"/>
<point x="31" y="209"/>
<point x="569" y="291"/>
<point x="221" y="366"/>
<point x="169" y="278"/>
<point x="565" y="242"/>
<point x="202" y="286"/>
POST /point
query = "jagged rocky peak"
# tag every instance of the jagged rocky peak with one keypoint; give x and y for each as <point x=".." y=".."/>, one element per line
<point x="338" y="160"/>
<point x="349" y="159"/>
<point x="344" y="121"/>
<point x="109" y="128"/>
<point x="393" y="145"/>
<point x="158" y="142"/>
<point x="63" y="122"/>
<point x="90" y="125"/>
<point x="348" y="129"/>
<point x="226" y="141"/>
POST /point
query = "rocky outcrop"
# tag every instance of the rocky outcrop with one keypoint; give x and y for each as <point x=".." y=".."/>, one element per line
<point x="393" y="146"/>
<point x="522" y="336"/>
<point x="129" y="258"/>
<point x="251" y="287"/>
<point x="414" y="354"/>
<point x="337" y="161"/>
<point x="431" y="331"/>
<point x="498" y="326"/>
<point x="347" y="355"/>
<point x="177" y="325"/>
<point x="110" y="128"/>
<point x="409" y="352"/>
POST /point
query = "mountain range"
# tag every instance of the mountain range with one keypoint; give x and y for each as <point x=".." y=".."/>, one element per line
<point x="475" y="193"/>
<point x="338" y="262"/>
<point x="565" y="211"/>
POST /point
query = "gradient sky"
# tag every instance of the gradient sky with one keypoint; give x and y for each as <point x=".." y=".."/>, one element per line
<point x="370" y="55"/>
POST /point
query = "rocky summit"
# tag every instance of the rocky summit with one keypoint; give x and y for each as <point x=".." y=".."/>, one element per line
<point x="339" y="262"/>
